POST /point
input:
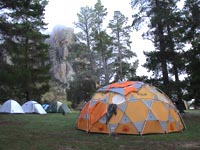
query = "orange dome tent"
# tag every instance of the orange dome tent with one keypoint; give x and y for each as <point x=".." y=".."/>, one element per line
<point x="130" y="107"/>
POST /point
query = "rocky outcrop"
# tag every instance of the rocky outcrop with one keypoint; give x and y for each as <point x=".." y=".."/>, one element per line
<point x="62" y="72"/>
<point x="59" y="41"/>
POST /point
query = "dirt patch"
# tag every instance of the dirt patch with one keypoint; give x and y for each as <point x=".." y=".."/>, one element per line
<point x="6" y="123"/>
<point x="191" y="145"/>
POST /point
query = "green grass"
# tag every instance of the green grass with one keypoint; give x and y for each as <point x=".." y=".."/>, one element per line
<point x="57" y="132"/>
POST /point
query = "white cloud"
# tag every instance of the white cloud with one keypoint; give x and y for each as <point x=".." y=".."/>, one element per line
<point x="64" y="12"/>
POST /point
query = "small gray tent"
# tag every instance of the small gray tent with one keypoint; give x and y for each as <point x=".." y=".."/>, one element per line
<point x="57" y="107"/>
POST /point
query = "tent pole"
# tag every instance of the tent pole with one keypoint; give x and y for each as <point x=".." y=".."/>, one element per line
<point x="182" y="120"/>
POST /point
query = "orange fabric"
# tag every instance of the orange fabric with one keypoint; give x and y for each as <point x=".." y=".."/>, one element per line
<point x="96" y="112"/>
<point x="82" y="124"/>
<point x="84" y="110"/>
<point x="125" y="128"/>
<point x="120" y="85"/>
<point x="100" y="128"/>
<point x="171" y="126"/>
<point x="129" y="89"/>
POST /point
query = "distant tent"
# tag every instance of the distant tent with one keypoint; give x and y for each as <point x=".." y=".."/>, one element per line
<point x="11" y="107"/>
<point x="45" y="106"/>
<point x="33" y="107"/>
<point x="57" y="107"/>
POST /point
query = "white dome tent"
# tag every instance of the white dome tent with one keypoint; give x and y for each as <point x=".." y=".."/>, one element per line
<point x="33" y="107"/>
<point x="11" y="107"/>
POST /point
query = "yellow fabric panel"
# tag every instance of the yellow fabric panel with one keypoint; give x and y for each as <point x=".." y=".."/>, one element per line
<point x="111" y="95"/>
<point x="99" y="96"/>
<point x="160" y="111"/>
<point x="135" y="95"/>
<point x="144" y="93"/>
<point x="136" y="111"/>
<point x="174" y="115"/>
<point x="162" y="97"/>
<point x="116" y="118"/>
<point x="152" y="127"/>
<point x="99" y="127"/>
<point x="127" y="128"/>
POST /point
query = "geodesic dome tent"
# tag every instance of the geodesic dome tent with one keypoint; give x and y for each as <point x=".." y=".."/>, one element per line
<point x="130" y="107"/>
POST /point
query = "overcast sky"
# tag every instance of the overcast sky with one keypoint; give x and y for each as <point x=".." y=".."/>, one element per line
<point x="64" y="12"/>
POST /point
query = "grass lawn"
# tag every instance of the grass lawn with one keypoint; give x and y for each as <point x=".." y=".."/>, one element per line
<point x="57" y="132"/>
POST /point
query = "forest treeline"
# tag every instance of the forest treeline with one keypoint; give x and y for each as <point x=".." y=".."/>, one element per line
<point x="99" y="54"/>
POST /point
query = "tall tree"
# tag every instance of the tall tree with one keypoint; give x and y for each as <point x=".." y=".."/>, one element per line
<point x="120" y="32"/>
<point x="83" y="58"/>
<point x="100" y="37"/>
<point x="105" y="61"/>
<point x="83" y="85"/>
<point x="25" y="46"/>
<point x="86" y="25"/>
<point x="191" y="36"/>
<point x="164" y="21"/>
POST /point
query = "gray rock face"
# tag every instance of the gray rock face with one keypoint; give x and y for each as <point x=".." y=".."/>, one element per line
<point x="62" y="72"/>
<point x="59" y="41"/>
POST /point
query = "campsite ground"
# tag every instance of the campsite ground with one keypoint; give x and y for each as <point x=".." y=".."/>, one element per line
<point x="57" y="132"/>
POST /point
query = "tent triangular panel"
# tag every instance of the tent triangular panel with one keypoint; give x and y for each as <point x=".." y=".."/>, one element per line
<point x="139" y="126"/>
<point x="126" y="128"/>
<point x="122" y="107"/>
<point x="132" y="98"/>
<point x="125" y="119"/>
<point x="152" y="126"/>
<point x="151" y="116"/>
<point x="148" y="103"/>
<point x="163" y="125"/>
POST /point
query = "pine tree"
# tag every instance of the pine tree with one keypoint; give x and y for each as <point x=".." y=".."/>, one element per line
<point x="165" y="61"/>
<point x="191" y="36"/>
<point x="86" y="24"/>
<point x="24" y="45"/>
<point x="120" y="32"/>
<point x="101" y="42"/>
